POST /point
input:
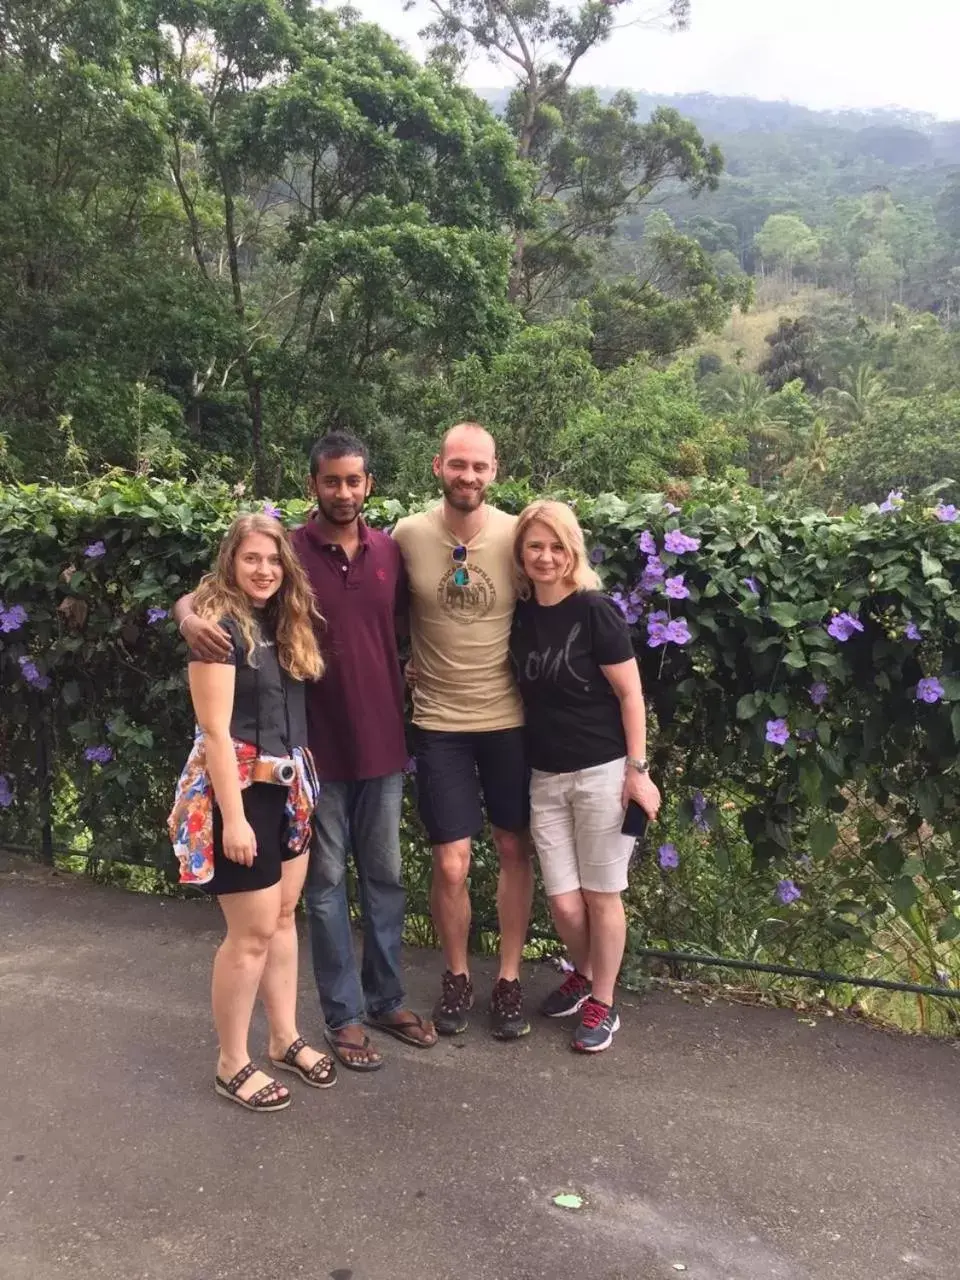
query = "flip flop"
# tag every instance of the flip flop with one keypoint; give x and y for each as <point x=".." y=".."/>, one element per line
<point x="338" y="1047"/>
<point x="399" y="1030"/>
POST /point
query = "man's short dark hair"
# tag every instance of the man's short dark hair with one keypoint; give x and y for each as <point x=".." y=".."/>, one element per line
<point x="338" y="444"/>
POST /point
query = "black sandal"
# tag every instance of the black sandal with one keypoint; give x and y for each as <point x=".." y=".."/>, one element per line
<point x="400" y="1030"/>
<point x="342" y="1047"/>
<point x="323" y="1073"/>
<point x="259" y="1101"/>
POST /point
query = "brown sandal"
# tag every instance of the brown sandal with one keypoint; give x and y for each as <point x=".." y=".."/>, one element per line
<point x="401" y="1030"/>
<point x="259" y="1101"/>
<point x="323" y="1073"/>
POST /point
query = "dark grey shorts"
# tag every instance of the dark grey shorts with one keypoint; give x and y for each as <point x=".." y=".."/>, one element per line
<point x="459" y="775"/>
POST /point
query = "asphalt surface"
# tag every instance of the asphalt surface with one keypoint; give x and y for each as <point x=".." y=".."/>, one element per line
<point x="715" y="1142"/>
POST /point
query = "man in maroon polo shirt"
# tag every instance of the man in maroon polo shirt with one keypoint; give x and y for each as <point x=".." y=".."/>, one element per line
<point x="356" y="734"/>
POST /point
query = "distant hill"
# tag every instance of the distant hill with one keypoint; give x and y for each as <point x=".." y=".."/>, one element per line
<point x="781" y="157"/>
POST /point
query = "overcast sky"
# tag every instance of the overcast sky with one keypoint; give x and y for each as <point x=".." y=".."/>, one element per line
<point x="822" y="53"/>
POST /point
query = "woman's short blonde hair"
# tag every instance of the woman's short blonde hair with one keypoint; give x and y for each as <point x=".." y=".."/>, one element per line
<point x="562" y="523"/>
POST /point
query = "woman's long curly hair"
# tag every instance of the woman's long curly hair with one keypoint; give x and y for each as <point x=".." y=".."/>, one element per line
<point x="291" y="611"/>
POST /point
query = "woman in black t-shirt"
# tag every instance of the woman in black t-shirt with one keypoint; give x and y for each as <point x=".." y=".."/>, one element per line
<point x="586" y="727"/>
<point x="242" y="821"/>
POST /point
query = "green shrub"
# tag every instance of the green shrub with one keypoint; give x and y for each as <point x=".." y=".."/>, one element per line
<point x="796" y="764"/>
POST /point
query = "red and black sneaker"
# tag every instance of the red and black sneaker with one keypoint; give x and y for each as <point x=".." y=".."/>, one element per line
<point x="568" y="997"/>
<point x="598" y="1023"/>
<point x="456" y="1001"/>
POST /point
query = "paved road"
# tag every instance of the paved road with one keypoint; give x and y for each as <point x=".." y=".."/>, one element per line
<point x="739" y="1144"/>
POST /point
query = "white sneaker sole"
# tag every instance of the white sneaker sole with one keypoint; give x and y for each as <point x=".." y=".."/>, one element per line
<point x="599" y="1048"/>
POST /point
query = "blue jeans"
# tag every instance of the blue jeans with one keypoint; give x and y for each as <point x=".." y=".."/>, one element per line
<point x="362" y="817"/>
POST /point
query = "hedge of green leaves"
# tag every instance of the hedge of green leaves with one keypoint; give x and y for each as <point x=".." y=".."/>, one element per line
<point x="803" y="673"/>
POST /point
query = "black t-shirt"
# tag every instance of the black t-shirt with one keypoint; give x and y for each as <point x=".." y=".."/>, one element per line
<point x="282" y="700"/>
<point x="573" y="715"/>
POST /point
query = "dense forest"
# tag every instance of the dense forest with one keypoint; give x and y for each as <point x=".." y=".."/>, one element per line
<point x="229" y="225"/>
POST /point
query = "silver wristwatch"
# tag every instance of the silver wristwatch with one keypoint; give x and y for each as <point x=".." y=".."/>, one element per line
<point x="641" y="766"/>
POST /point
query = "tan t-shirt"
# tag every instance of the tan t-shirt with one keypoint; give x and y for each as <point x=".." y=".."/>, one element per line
<point x="460" y="636"/>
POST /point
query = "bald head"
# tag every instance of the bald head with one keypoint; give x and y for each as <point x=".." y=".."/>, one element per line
<point x="466" y="465"/>
<point x="470" y="434"/>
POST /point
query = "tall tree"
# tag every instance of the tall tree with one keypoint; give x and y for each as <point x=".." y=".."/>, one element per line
<point x="348" y="204"/>
<point x="595" y="162"/>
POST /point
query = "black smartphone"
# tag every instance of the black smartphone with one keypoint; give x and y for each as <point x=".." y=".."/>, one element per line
<point x="634" y="821"/>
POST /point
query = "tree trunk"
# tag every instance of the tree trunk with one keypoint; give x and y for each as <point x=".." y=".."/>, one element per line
<point x="251" y="379"/>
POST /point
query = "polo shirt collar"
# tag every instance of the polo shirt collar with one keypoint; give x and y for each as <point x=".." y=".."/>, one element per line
<point x="321" y="540"/>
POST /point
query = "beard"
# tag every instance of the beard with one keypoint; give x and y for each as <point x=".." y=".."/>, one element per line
<point x="340" y="513"/>
<point x="463" y="497"/>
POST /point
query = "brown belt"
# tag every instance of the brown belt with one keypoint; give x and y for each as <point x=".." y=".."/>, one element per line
<point x="262" y="771"/>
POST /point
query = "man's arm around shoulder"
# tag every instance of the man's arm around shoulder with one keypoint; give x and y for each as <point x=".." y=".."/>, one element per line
<point x="207" y="639"/>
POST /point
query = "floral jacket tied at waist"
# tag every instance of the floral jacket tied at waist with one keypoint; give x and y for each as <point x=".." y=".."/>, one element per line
<point x="191" y="819"/>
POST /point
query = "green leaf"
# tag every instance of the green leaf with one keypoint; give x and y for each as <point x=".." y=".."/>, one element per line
<point x="784" y="614"/>
<point x="796" y="659"/>
<point x="949" y="929"/>
<point x="904" y="894"/>
<point x="823" y="837"/>
<point x="747" y="706"/>
<point x="930" y="565"/>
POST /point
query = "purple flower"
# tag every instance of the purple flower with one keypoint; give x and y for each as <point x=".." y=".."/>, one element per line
<point x="95" y="551"/>
<point x="6" y="792"/>
<point x="778" y="731"/>
<point x="98" y="755"/>
<point x="668" y="857"/>
<point x="894" y="500"/>
<point x="670" y="509"/>
<point x="620" y="600"/>
<point x="597" y="555"/>
<point x="678" y="632"/>
<point x="12" y="619"/>
<point x="632" y="616"/>
<point x="647" y="543"/>
<point x="929" y="689"/>
<point x="947" y="514"/>
<point x="787" y="892"/>
<point x="411" y="765"/>
<point x="818" y="693"/>
<point x="677" y="543"/>
<point x="156" y="614"/>
<point x="653" y="575"/>
<point x="28" y="669"/>
<point x="656" y="634"/>
<point x="912" y="632"/>
<point x="752" y="585"/>
<point x="270" y="510"/>
<point x="843" y="626"/>
<point x="675" y="588"/>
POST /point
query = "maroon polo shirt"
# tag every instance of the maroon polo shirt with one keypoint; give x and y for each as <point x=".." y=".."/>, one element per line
<point x="355" y="711"/>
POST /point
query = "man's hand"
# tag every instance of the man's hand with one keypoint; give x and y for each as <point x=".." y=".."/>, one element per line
<point x="410" y="674"/>
<point x="641" y="787"/>
<point x="208" y="640"/>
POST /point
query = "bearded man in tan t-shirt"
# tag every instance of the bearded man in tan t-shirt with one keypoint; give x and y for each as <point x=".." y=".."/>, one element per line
<point x="470" y="747"/>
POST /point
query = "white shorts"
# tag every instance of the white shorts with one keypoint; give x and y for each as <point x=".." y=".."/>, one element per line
<point x="575" y="821"/>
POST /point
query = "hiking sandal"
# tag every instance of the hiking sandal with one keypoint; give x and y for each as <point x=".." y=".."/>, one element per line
<point x="259" y="1101"/>
<point x="323" y="1073"/>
